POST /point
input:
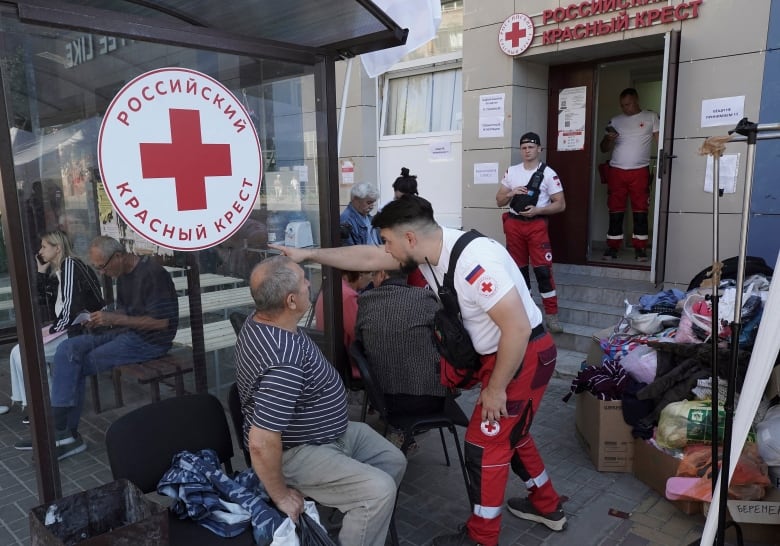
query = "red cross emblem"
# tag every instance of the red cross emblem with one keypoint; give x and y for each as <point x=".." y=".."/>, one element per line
<point x="490" y="428"/>
<point x="179" y="159"/>
<point x="516" y="34"/>
<point x="186" y="159"/>
<point x="487" y="286"/>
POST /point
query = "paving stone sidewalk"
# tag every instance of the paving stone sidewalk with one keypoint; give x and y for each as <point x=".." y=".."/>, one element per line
<point x="432" y="498"/>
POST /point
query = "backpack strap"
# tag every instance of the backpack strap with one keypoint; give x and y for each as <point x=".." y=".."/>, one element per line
<point x="537" y="180"/>
<point x="457" y="250"/>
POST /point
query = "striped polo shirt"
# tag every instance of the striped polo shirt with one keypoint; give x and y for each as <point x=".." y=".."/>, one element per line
<point x="286" y="385"/>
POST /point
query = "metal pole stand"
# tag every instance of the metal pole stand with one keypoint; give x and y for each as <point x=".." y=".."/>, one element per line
<point x="749" y="131"/>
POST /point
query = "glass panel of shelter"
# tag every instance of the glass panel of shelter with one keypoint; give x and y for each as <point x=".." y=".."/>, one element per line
<point x="61" y="82"/>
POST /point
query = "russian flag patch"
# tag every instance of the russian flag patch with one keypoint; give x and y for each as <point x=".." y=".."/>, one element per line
<point x="472" y="277"/>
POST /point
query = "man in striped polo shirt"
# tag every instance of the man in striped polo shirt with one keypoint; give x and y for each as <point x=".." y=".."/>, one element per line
<point x="295" y="415"/>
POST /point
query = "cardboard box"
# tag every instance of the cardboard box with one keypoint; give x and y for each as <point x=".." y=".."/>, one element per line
<point x="606" y="436"/>
<point x="766" y="510"/>
<point x="653" y="467"/>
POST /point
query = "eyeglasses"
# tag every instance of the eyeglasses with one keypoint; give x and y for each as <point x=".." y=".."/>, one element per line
<point x="105" y="265"/>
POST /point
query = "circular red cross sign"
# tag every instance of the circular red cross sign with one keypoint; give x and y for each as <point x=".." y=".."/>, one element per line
<point x="516" y="34"/>
<point x="179" y="158"/>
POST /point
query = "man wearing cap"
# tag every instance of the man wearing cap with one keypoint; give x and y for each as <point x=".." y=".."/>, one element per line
<point x="533" y="192"/>
<point x="629" y="137"/>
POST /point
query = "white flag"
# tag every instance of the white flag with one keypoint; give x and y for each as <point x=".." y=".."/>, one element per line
<point x="421" y="17"/>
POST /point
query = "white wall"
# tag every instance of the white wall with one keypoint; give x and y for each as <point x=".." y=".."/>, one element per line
<point x="438" y="177"/>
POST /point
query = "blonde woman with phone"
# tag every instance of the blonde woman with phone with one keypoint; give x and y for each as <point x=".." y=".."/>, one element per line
<point x="73" y="286"/>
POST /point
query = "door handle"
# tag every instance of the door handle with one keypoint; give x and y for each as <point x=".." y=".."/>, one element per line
<point x="665" y="160"/>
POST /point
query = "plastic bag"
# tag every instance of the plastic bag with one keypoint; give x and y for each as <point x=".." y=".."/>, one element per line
<point x="768" y="436"/>
<point x="748" y="483"/>
<point x="641" y="363"/>
<point x="646" y="323"/>
<point x="312" y="533"/>
<point x="286" y="535"/>
<point x="687" y="422"/>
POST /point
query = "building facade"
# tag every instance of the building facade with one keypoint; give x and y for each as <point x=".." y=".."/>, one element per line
<point x="701" y="65"/>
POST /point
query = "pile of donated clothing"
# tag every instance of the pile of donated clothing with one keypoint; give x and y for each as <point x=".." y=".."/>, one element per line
<point x="658" y="361"/>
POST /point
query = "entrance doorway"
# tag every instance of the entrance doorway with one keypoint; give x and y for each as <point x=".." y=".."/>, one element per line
<point x="578" y="235"/>
<point x="645" y="75"/>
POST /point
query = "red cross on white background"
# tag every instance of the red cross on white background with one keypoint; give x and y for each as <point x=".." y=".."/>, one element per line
<point x="186" y="159"/>
<point x="487" y="286"/>
<point x="515" y="34"/>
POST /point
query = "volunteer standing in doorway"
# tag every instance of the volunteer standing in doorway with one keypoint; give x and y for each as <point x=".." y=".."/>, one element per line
<point x="629" y="137"/>
<point x="533" y="192"/>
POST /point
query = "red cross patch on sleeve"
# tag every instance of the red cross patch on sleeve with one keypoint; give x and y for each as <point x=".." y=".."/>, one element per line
<point x="487" y="286"/>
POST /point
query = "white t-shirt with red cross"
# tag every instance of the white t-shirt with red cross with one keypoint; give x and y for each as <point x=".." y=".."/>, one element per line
<point x="635" y="136"/>
<point x="484" y="274"/>
<point x="517" y="176"/>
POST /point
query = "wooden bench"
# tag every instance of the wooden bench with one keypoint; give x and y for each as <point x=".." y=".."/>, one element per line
<point x="152" y="372"/>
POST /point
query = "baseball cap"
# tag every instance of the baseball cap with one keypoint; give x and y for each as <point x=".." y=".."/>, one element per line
<point x="533" y="138"/>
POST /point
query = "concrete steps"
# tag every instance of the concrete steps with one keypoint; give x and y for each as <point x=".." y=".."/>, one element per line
<point x="590" y="298"/>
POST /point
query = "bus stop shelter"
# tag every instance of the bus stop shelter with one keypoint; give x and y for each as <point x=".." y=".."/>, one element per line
<point x="63" y="62"/>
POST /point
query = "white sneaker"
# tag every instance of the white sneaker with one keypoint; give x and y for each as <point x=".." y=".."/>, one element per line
<point x="4" y="409"/>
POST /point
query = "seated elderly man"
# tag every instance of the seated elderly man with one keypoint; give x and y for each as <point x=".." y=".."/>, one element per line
<point x="295" y="415"/>
<point x="141" y="327"/>
<point x="395" y="323"/>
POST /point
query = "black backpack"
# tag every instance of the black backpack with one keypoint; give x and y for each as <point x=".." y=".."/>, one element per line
<point x="520" y="202"/>
<point x="461" y="360"/>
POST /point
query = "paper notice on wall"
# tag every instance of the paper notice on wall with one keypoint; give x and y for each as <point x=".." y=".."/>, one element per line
<point x="491" y="127"/>
<point x="571" y="118"/>
<point x="492" y="105"/>
<point x="485" y="173"/>
<point x="440" y="150"/>
<point x="729" y="167"/>
<point x="347" y="172"/>
<point x="491" y="115"/>
<point x="723" y="111"/>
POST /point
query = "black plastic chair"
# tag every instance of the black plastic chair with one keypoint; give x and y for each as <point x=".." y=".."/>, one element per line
<point x="234" y="405"/>
<point x="237" y="319"/>
<point x="450" y="416"/>
<point x="141" y="445"/>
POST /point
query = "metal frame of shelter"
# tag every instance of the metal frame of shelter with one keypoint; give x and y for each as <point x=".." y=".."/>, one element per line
<point x="359" y="27"/>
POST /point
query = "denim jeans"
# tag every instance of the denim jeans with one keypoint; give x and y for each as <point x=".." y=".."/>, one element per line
<point x="358" y="474"/>
<point x="84" y="355"/>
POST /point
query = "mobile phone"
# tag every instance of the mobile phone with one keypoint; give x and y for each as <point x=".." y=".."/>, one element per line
<point x="40" y="260"/>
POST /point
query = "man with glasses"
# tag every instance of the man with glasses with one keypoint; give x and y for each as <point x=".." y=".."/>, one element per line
<point x="355" y="221"/>
<point x="141" y="327"/>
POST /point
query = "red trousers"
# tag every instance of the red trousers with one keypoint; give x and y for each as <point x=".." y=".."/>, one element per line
<point x="529" y="239"/>
<point x="632" y="185"/>
<point x="491" y="447"/>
